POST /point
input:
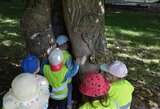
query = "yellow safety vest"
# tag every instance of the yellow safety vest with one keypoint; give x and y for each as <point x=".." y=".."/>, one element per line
<point x="110" y="104"/>
<point x="121" y="91"/>
<point x="59" y="89"/>
<point x="66" y="55"/>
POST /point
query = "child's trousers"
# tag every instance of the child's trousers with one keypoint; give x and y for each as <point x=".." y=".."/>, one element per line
<point x="61" y="104"/>
<point x="69" y="99"/>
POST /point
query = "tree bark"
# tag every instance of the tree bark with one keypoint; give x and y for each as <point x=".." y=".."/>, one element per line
<point x="85" y="25"/>
<point x="84" y="22"/>
<point x="36" y="26"/>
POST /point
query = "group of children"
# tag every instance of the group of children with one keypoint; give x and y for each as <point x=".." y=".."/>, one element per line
<point x="104" y="90"/>
<point x="107" y="89"/>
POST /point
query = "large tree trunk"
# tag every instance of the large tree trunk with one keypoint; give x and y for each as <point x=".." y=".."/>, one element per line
<point x="84" y="22"/>
<point x="36" y="26"/>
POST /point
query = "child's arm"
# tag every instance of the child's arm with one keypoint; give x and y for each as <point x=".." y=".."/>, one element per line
<point x="73" y="71"/>
<point x="69" y="63"/>
<point x="42" y="65"/>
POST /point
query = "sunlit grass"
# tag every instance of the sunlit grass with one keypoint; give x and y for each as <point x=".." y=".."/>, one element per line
<point x="136" y="57"/>
<point x="129" y="32"/>
<point x="11" y="41"/>
<point x="9" y="21"/>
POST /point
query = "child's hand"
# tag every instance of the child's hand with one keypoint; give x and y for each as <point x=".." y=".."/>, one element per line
<point x="48" y="50"/>
<point x="44" y="56"/>
<point x="83" y="60"/>
<point x="78" y="60"/>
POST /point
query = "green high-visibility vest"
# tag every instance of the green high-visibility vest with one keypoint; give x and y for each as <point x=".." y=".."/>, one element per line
<point x="66" y="55"/>
<point x="59" y="89"/>
<point x="121" y="91"/>
<point x="110" y="104"/>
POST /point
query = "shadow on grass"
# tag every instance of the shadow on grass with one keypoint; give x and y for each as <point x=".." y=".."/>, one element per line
<point x="12" y="10"/>
<point x="141" y="29"/>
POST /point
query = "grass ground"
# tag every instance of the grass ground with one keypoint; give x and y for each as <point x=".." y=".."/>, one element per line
<point x="134" y="38"/>
<point x="11" y="43"/>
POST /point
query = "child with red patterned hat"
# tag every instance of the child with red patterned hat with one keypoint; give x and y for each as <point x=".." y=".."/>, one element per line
<point x="95" y="88"/>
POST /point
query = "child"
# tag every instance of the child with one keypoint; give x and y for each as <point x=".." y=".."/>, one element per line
<point x="28" y="92"/>
<point x="30" y="64"/>
<point x="57" y="74"/>
<point x="62" y="42"/>
<point x="121" y="90"/>
<point x="95" y="88"/>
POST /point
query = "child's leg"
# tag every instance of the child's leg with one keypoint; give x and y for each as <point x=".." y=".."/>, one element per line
<point x="58" y="104"/>
<point x="52" y="104"/>
<point x="69" y="99"/>
<point x="62" y="104"/>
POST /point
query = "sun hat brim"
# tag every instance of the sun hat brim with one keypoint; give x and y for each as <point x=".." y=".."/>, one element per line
<point x="109" y="69"/>
<point x="104" y="67"/>
<point x="11" y="98"/>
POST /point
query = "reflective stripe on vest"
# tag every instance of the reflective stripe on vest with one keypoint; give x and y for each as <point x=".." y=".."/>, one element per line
<point x="60" y="88"/>
<point x="126" y="106"/>
<point x="66" y="56"/>
<point x="58" y="96"/>
<point x="122" y="107"/>
<point x="116" y="104"/>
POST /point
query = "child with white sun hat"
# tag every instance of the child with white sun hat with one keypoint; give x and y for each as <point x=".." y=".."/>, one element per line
<point x="27" y="92"/>
<point x="121" y="89"/>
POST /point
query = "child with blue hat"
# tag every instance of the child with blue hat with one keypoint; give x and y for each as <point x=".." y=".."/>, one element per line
<point x="30" y="64"/>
